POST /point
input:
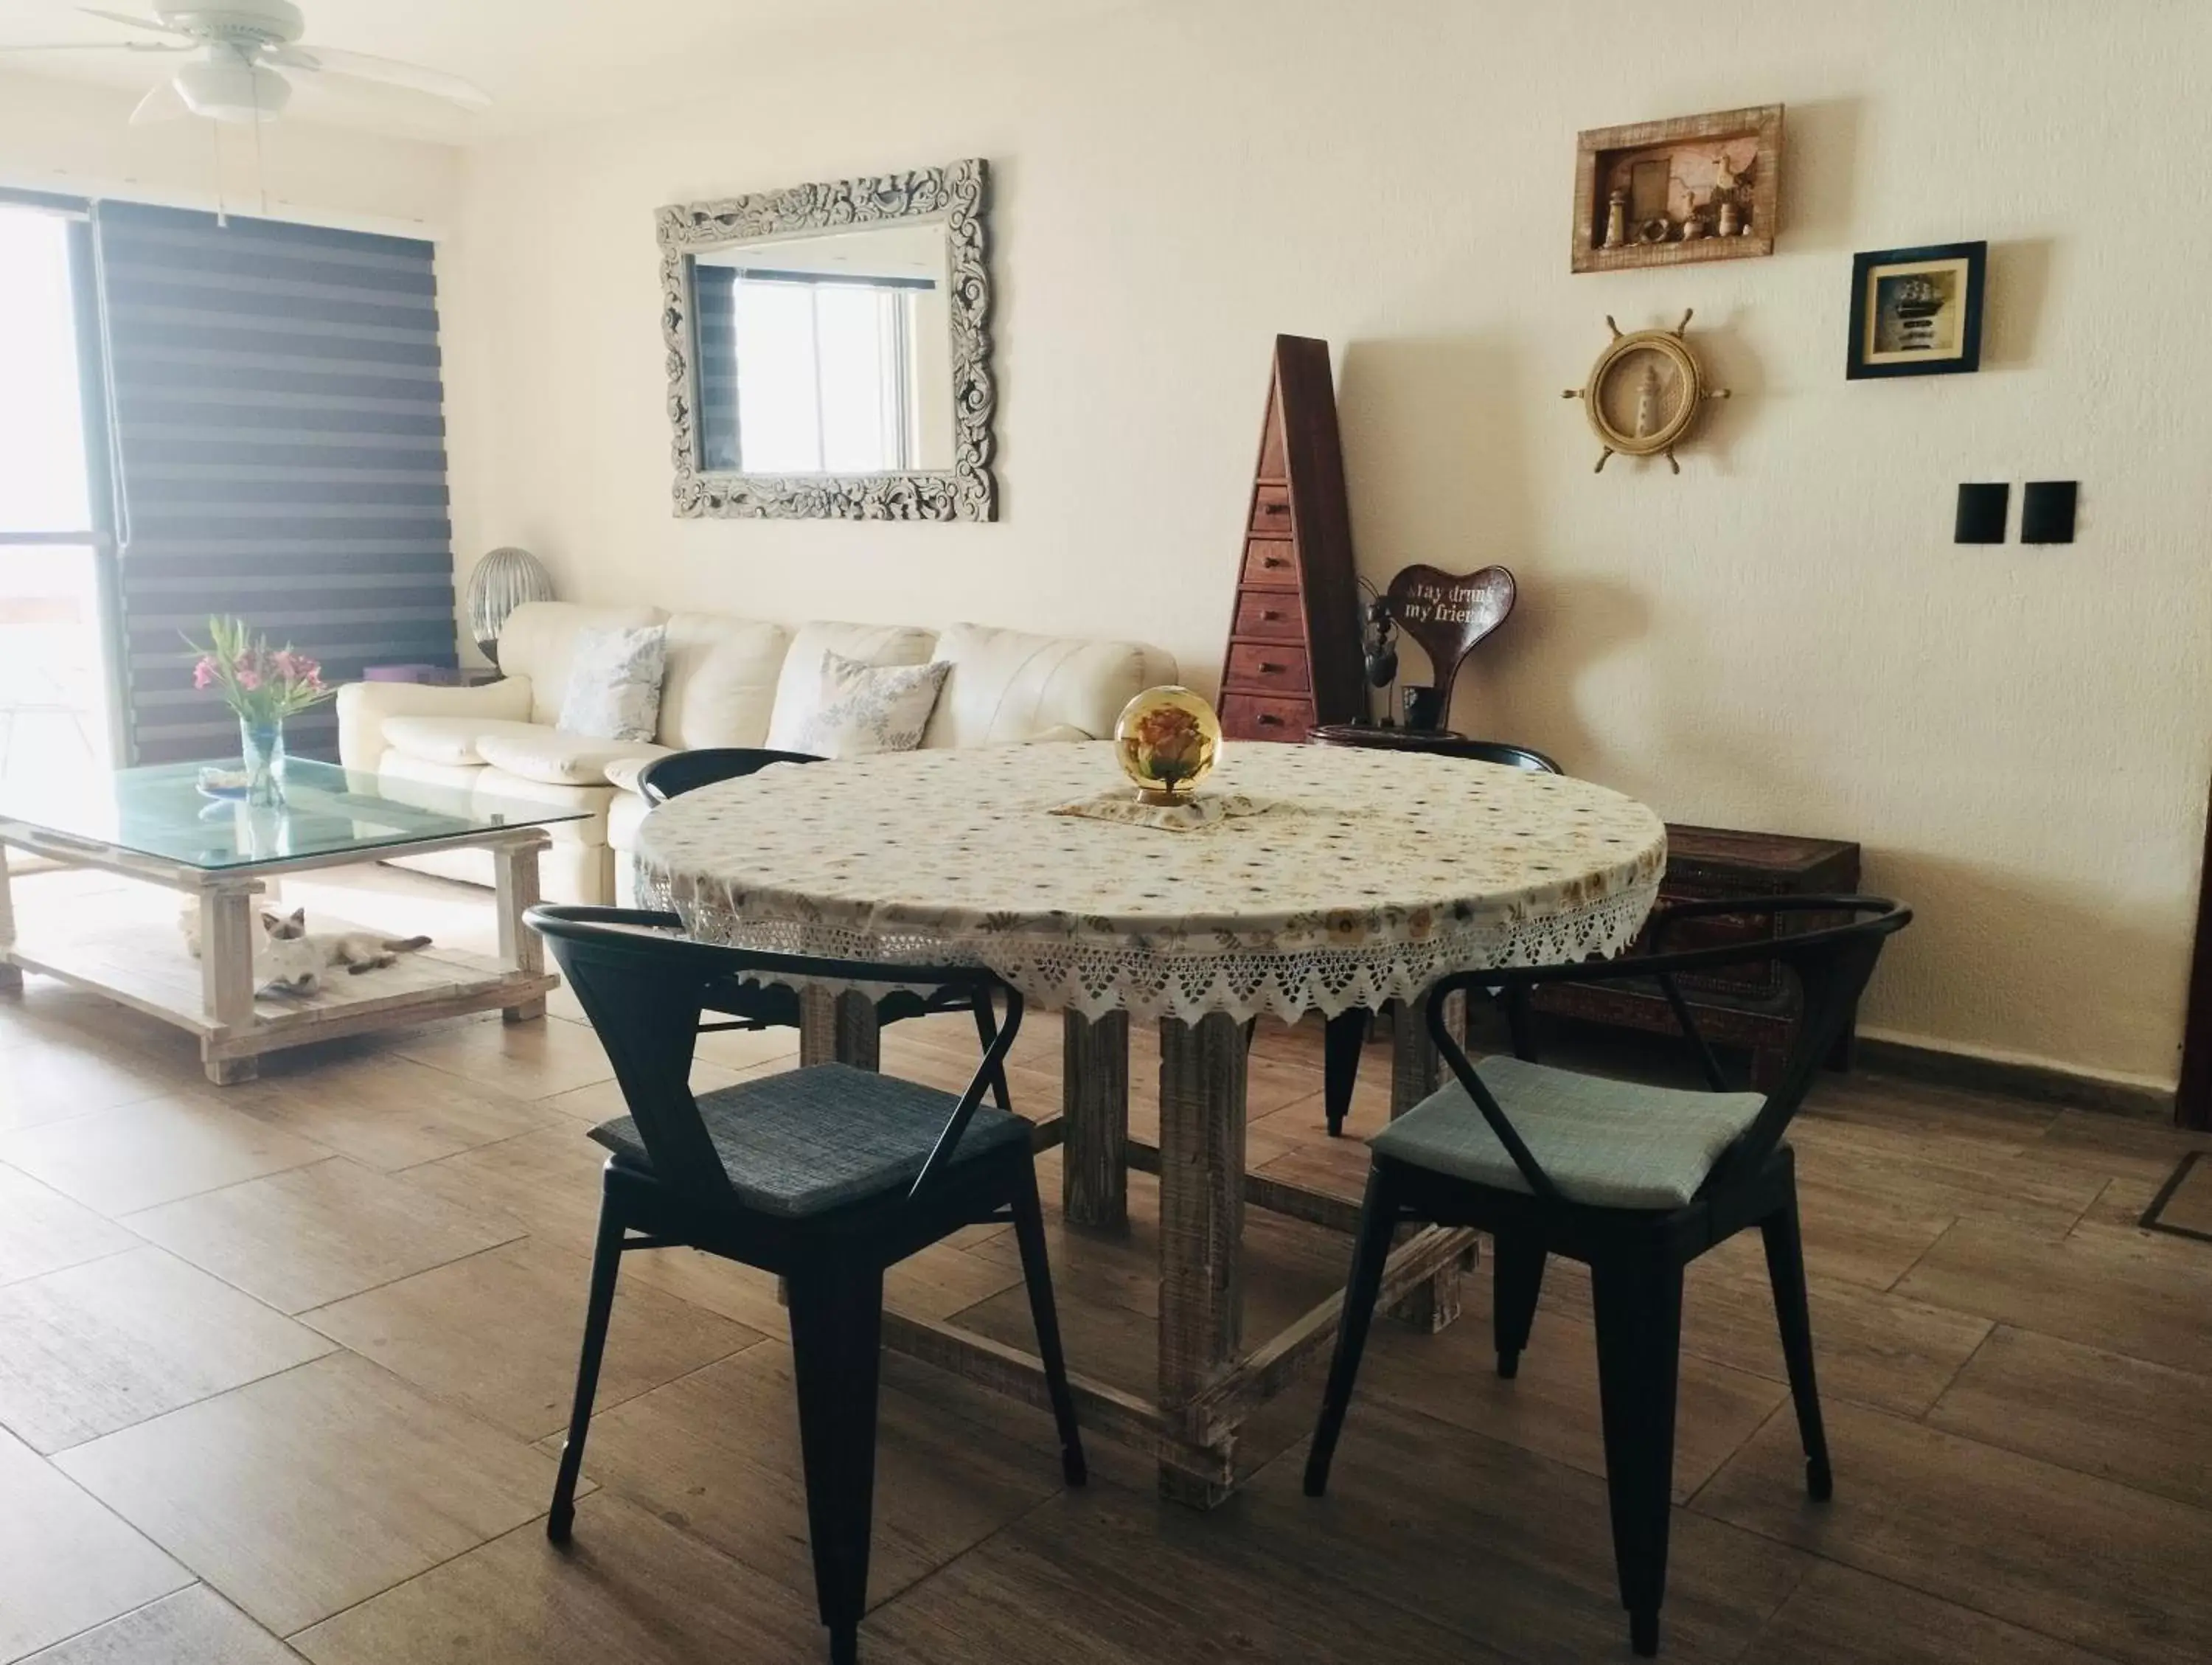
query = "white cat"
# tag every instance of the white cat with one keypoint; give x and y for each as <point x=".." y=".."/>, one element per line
<point x="289" y="958"/>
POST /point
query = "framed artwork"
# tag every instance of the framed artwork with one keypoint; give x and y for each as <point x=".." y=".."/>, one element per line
<point x="1917" y="312"/>
<point x="1664" y="193"/>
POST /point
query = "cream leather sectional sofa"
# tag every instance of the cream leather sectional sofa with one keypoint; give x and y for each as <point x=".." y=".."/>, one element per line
<point x="730" y="682"/>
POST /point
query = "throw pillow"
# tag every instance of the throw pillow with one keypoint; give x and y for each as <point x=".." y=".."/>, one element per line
<point x="614" y="683"/>
<point x="867" y="708"/>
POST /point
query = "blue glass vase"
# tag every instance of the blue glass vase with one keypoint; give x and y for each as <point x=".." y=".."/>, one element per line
<point x="262" y="745"/>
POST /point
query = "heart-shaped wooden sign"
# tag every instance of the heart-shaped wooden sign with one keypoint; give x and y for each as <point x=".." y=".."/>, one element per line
<point x="1448" y="614"/>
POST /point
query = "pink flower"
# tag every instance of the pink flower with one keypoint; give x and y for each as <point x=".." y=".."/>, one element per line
<point x="248" y="678"/>
<point x="203" y="673"/>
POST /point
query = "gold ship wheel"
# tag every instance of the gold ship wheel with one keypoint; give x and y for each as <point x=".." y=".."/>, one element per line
<point x="1645" y="394"/>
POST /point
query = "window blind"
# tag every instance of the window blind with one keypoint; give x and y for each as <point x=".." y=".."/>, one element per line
<point x="280" y="455"/>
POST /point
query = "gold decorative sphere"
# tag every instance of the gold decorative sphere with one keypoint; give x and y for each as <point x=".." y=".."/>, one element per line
<point x="1168" y="740"/>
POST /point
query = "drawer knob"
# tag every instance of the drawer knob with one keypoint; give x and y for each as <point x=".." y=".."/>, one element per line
<point x="1268" y="668"/>
<point x="1269" y="720"/>
<point x="1269" y="612"/>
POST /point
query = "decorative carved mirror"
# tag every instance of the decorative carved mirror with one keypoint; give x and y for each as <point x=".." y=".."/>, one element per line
<point x="828" y="352"/>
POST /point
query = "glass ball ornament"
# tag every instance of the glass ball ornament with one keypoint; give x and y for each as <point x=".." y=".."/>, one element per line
<point x="1168" y="740"/>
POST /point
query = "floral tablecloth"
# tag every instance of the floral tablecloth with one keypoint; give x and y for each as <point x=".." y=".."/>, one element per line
<point x="1372" y="874"/>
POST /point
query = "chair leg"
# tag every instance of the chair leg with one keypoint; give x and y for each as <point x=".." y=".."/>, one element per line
<point x="1520" y="1279"/>
<point x="1639" y="1308"/>
<point x="1036" y="1271"/>
<point x="986" y="1032"/>
<point x="1342" y="1040"/>
<point x="836" y="1338"/>
<point x="606" y="1263"/>
<point x="1785" y="1270"/>
<point x="1378" y="1219"/>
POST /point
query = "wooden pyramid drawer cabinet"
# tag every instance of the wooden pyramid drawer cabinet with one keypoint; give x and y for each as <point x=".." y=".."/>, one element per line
<point x="1294" y="657"/>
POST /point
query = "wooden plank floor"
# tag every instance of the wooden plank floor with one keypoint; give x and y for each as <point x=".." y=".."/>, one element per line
<point x="280" y="1368"/>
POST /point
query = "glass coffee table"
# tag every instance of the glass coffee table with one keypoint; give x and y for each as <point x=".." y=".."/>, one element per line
<point x="157" y="825"/>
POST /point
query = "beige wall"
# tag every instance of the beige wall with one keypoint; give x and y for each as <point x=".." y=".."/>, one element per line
<point x="74" y="138"/>
<point x="1784" y="637"/>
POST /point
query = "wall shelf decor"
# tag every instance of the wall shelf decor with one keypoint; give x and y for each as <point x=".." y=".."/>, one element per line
<point x="1645" y="394"/>
<point x="1295" y="657"/>
<point x="1665" y="193"/>
<point x="1917" y="312"/>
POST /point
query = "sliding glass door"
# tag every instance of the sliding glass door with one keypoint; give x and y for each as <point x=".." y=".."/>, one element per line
<point x="57" y="685"/>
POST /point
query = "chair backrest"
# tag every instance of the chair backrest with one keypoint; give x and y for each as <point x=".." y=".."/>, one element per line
<point x="1830" y="962"/>
<point x="680" y="772"/>
<point x="1505" y="752"/>
<point x="642" y="983"/>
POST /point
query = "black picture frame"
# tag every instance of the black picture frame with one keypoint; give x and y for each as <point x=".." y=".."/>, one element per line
<point x="1865" y="363"/>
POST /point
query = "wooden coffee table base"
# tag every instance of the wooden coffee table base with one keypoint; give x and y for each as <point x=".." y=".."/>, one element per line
<point x="1210" y="1382"/>
<point x="214" y="997"/>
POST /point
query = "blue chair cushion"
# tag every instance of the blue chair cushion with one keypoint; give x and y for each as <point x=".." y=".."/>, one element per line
<point x="809" y="1140"/>
<point x="1608" y="1144"/>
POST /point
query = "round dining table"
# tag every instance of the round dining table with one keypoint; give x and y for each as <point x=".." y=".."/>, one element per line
<point x="1324" y="879"/>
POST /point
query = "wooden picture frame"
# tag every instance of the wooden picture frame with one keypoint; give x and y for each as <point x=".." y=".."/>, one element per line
<point x="1917" y="312"/>
<point x="1687" y="174"/>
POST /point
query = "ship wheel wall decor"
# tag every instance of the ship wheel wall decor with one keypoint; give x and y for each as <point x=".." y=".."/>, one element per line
<point x="1645" y="394"/>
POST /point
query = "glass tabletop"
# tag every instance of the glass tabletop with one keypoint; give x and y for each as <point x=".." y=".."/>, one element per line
<point x="163" y="812"/>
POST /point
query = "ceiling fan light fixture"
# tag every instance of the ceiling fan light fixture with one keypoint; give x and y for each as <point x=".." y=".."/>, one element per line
<point x="226" y="87"/>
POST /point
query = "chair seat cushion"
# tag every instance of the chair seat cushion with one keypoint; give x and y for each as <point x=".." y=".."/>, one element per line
<point x="1606" y="1144"/>
<point x="810" y="1140"/>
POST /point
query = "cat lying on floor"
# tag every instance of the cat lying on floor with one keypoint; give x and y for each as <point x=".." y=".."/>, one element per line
<point x="291" y="959"/>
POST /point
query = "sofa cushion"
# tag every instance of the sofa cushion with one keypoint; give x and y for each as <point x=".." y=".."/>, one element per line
<point x="614" y="683"/>
<point x="558" y="757"/>
<point x="867" y="708"/>
<point x="539" y="640"/>
<point x="720" y="687"/>
<point x="451" y="741"/>
<point x="1011" y="685"/>
<point x="799" y="689"/>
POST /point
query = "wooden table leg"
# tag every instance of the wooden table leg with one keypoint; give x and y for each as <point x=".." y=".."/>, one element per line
<point x="1417" y="1071"/>
<point x="1201" y="1221"/>
<point x="11" y="976"/>
<point x="1094" y="1089"/>
<point x="227" y="928"/>
<point x="838" y="1029"/>
<point x="521" y="949"/>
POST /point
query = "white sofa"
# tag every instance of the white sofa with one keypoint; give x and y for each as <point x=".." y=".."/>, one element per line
<point x="730" y="682"/>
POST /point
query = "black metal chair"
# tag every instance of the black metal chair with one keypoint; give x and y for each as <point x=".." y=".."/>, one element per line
<point x="751" y="1007"/>
<point x="825" y="1176"/>
<point x="1637" y="1183"/>
<point x="680" y="772"/>
<point x="1345" y="1037"/>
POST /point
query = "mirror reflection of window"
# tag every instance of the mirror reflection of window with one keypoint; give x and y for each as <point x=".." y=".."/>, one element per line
<point x="828" y="355"/>
<point x="825" y="374"/>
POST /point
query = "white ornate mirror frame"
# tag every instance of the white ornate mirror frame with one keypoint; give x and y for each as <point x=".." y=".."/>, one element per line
<point x="956" y="195"/>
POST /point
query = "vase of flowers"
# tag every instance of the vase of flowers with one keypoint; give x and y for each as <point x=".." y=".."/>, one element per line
<point x="262" y="686"/>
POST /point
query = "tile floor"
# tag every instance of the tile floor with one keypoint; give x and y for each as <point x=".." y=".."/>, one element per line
<point x="281" y="1369"/>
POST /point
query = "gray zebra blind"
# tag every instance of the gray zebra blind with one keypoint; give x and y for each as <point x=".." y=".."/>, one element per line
<point x="280" y="451"/>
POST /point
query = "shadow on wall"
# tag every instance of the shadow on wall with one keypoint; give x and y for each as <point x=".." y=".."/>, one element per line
<point x="1994" y="954"/>
<point x="1819" y="173"/>
<point x="2019" y="278"/>
<point x="1520" y="684"/>
<point x="1436" y="450"/>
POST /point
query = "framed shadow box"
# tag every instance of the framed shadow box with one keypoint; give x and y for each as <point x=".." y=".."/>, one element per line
<point x="1666" y="193"/>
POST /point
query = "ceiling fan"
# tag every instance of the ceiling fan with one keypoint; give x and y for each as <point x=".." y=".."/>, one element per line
<point x="239" y="54"/>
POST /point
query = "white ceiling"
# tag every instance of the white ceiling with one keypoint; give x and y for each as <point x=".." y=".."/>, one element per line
<point x="545" y="62"/>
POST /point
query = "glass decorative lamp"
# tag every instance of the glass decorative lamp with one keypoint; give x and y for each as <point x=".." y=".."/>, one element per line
<point x="503" y="581"/>
<point x="1168" y="740"/>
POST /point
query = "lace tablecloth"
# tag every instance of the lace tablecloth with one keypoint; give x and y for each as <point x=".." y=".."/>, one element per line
<point x="1375" y="874"/>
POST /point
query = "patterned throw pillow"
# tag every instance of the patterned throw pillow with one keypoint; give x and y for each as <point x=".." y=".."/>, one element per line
<point x="871" y="708"/>
<point x="614" y="683"/>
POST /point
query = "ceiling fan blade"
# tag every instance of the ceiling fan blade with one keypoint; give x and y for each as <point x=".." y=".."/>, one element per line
<point x="129" y="21"/>
<point x="384" y="72"/>
<point x="164" y="103"/>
